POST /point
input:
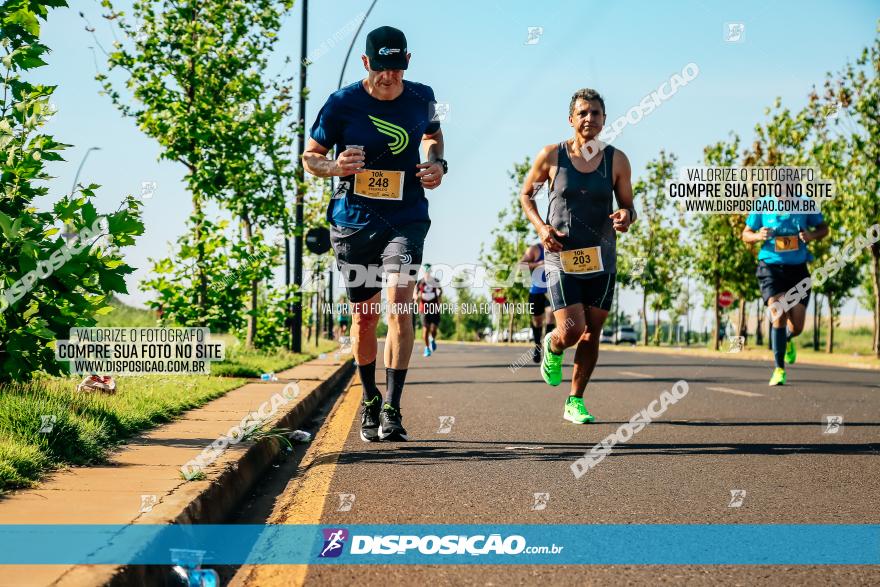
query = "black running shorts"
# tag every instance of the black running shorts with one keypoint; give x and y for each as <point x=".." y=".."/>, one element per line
<point x="539" y="303"/>
<point x="362" y="254"/>
<point x="567" y="290"/>
<point x="775" y="279"/>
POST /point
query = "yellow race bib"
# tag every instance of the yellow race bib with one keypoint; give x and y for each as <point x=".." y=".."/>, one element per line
<point x="379" y="185"/>
<point x="587" y="260"/>
<point x="786" y="243"/>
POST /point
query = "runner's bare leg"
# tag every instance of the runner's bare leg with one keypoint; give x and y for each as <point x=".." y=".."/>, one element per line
<point x="587" y="353"/>
<point x="399" y="342"/>
<point x="365" y="318"/>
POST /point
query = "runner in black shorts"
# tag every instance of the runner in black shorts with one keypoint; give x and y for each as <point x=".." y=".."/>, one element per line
<point x="782" y="267"/>
<point x="539" y="304"/>
<point x="580" y="240"/>
<point x="379" y="214"/>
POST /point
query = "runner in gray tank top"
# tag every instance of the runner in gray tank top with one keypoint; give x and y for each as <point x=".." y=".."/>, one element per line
<point x="579" y="238"/>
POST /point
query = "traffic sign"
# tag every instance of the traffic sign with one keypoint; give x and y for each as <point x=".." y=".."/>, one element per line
<point x="725" y="298"/>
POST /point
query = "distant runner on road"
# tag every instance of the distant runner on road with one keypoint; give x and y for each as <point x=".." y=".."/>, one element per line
<point x="427" y="295"/>
<point x="539" y="304"/>
<point x="782" y="265"/>
<point x="379" y="215"/>
<point x="580" y="241"/>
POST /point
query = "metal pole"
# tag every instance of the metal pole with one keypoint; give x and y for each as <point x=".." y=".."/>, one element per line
<point x="296" y="324"/>
<point x="330" y="301"/>
<point x="353" y="39"/>
<point x="68" y="228"/>
<point x="81" y="163"/>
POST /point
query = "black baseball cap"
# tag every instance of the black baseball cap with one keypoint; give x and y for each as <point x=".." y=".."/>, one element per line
<point x="386" y="48"/>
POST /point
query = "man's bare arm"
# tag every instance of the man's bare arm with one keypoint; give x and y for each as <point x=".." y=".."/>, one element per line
<point x="432" y="146"/>
<point x="623" y="191"/>
<point x="315" y="161"/>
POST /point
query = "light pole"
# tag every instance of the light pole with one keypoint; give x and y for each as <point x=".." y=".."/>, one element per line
<point x="67" y="226"/>
<point x="81" y="163"/>
<point x="296" y="323"/>
<point x="332" y="186"/>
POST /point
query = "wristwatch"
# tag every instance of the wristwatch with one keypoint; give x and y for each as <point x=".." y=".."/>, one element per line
<point x="444" y="164"/>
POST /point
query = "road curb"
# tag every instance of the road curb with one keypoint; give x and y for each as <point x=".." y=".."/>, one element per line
<point x="211" y="500"/>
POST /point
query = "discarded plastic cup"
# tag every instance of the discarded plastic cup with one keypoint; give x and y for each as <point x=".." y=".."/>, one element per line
<point x="268" y="377"/>
<point x="300" y="436"/>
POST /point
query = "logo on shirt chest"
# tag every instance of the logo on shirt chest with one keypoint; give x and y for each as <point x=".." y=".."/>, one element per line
<point x="400" y="136"/>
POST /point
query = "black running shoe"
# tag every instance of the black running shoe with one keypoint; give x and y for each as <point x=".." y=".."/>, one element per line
<point x="536" y="354"/>
<point x="391" y="427"/>
<point x="370" y="420"/>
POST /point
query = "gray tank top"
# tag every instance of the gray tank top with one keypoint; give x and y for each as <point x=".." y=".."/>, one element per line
<point x="580" y="204"/>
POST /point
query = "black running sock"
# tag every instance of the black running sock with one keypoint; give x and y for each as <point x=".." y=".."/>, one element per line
<point x="549" y="328"/>
<point x="394" y="380"/>
<point x="367" y="374"/>
<point x="788" y="335"/>
<point x="536" y="334"/>
<point x="779" y="343"/>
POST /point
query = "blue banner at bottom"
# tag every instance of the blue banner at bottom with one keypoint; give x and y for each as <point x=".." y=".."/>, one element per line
<point x="532" y="544"/>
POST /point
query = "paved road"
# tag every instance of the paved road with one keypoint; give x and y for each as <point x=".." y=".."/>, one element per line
<point x="508" y="442"/>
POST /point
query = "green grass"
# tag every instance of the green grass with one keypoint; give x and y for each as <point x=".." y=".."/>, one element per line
<point x="241" y="362"/>
<point x="129" y="316"/>
<point x="846" y="341"/>
<point x="87" y="424"/>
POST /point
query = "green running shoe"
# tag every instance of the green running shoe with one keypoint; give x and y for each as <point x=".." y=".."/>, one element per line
<point x="790" y="352"/>
<point x="551" y="364"/>
<point x="576" y="412"/>
<point x="778" y="377"/>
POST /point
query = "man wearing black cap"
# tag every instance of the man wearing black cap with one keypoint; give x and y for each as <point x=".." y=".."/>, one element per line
<point x="379" y="213"/>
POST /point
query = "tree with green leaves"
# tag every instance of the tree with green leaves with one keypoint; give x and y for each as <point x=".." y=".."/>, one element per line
<point x="190" y="67"/>
<point x="49" y="285"/>
<point x="854" y="94"/>
<point x="656" y="239"/>
<point x="720" y="258"/>
<point x="509" y="244"/>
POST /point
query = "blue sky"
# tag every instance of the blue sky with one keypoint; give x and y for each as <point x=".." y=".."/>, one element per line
<point x="507" y="98"/>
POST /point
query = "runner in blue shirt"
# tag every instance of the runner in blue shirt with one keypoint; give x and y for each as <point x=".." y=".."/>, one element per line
<point x="379" y="214"/>
<point x="782" y="265"/>
<point x="538" y="302"/>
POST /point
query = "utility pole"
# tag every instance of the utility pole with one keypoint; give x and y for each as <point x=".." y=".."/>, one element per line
<point x="296" y="323"/>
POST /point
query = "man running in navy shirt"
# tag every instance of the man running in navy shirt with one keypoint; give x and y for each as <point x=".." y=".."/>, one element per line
<point x="379" y="213"/>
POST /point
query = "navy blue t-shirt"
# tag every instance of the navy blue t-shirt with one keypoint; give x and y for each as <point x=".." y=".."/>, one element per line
<point x="391" y="133"/>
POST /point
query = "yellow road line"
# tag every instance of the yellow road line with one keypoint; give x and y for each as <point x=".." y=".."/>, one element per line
<point x="302" y="501"/>
<point x="635" y="374"/>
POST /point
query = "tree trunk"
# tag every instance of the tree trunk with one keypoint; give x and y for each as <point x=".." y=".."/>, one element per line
<point x="829" y="343"/>
<point x="759" y="334"/>
<point x="656" y="327"/>
<point x="717" y="330"/>
<point x="875" y="276"/>
<point x="816" y="323"/>
<point x="741" y="319"/>
<point x="510" y="328"/>
<point x="251" y="333"/>
<point x="644" y="318"/>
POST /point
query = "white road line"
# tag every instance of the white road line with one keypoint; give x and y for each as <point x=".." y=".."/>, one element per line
<point x="634" y="374"/>
<point x="736" y="391"/>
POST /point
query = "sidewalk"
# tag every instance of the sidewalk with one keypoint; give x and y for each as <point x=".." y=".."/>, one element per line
<point x="142" y="482"/>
